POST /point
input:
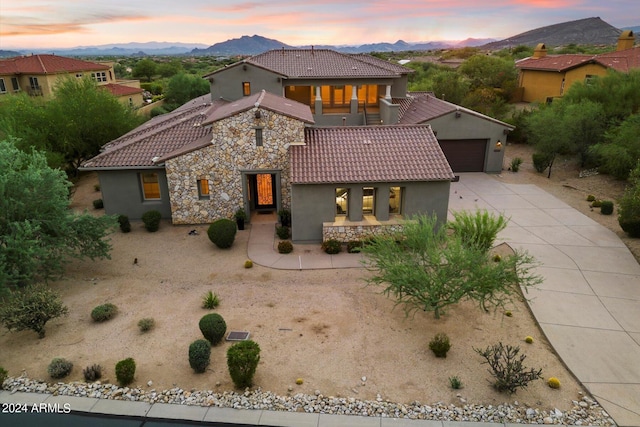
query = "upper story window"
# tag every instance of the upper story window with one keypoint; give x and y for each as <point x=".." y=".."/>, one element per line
<point x="100" y="76"/>
<point x="150" y="186"/>
<point x="246" y="88"/>
<point x="3" y="88"/>
<point x="259" y="140"/>
<point x="203" y="189"/>
<point x="33" y="82"/>
<point x="15" y="84"/>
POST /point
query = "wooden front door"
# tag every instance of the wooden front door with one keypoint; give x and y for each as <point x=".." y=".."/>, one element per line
<point x="265" y="191"/>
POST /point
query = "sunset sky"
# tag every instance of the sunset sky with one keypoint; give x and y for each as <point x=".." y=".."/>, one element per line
<point x="71" y="23"/>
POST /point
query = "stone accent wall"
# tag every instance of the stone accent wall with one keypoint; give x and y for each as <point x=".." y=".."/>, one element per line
<point x="233" y="151"/>
<point x="347" y="232"/>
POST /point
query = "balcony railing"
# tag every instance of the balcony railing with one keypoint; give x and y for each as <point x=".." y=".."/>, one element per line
<point x="35" y="91"/>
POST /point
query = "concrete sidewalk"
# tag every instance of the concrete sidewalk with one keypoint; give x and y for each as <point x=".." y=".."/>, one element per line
<point x="589" y="303"/>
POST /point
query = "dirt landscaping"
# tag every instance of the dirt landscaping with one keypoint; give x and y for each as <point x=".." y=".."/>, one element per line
<point x="324" y="326"/>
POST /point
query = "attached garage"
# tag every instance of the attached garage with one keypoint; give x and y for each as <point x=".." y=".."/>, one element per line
<point x="465" y="155"/>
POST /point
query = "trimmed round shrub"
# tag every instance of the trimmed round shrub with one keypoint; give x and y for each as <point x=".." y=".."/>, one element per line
<point x="3" y="376"/>
<point x="248" y="264"/>
<point x="125" y="225"/>
<point x="541" y="161"/>
<point x="285" y="247"/>
<point x="630" y="226"/>
<point x="59" y="368"/>
<point x="596" y="203"/>
<point x="528" y="339"/>
<point x="104" y="312"/>
<point x="282" y="232"/>
<point x="553" y="382"/>
<point x="151" y="220"/>
<point x="242" y="360"/>
<point x="591" y="198"/>
<point x="331" y="246"/>
<point x="607" y="207"/>
<point x="354" y="246"/>
<point x="199" y="355"/>
<point x="125" y="371"/>
<point x="440" y="344"/>
<point x="146" y="324"/>
<point x="98" y="204"/>
<point x="222" y="233"/>
<point x="213" y="327"/>
<point x="92" y="373"/>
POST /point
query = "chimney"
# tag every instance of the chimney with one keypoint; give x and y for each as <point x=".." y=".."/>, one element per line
<point x="311" y="49"/>
<point x="626" y="40"/>
<point x="540" y="51"/>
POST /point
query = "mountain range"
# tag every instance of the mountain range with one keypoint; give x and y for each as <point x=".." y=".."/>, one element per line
<point x="588" y="31"/>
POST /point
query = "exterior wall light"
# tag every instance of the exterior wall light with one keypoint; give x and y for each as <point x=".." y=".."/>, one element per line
<point x="498" y="146"/>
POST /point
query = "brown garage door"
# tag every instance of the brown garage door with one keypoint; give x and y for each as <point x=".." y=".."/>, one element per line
<point x="465" y="155"/>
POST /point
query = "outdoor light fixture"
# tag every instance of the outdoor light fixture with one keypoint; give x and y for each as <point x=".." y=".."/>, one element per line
<point x="498" y="146"/>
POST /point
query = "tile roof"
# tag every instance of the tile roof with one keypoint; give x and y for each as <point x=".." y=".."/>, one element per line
<point x="420" y="107"/>
<point x="159" y="136"/>
<point x="266" y="100"/>
<point x="120" y="90"/>
<point x="47" y="64"/>
<point x="394" y="153"/>
<point x="622" y="60"/>
<point x="323" y="63"/>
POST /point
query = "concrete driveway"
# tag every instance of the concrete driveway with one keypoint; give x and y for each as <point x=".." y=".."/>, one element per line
<point x="589" y="303"/>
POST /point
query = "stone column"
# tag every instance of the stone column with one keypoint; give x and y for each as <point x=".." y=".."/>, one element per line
<point x="354" y="99"/>
<point x="387" y="96"/>
<point x="318" y="101"/>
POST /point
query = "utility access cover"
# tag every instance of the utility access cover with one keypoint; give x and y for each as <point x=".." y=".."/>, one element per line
<point x="238" y="336"/>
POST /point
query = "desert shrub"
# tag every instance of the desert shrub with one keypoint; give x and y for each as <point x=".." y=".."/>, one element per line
<point x="92" y="373"/>
<point x="210" y="300"/>
<point x="596" y="203"/>
<point x="285" y="217"/>
<point x="553" y="382"/>
<point x="3" y="376"/>
<point x="59" y="368"/>
<point x="478" y="229"/>
<point x="98" y="204"/>
<point x="541" y="161"/>
<point x="31" y="308"/>
<point x="507" y="367"/>
<point x="629" y="205"/>
<point x="151" y="220"/>
<point x="455" y="382"/>
<point x="528" y="339"/>
<point x="248" y="264"/>
<point x="213" y="327"/>
<point x="283" y="232"/>
<point x="104" y="312"/>
<point x="146" y="324"/>
<point x="354" y="246"/>
<point x="199" y="355"/>
<point x="515" y="164"/>
<point x="591" y="198"/>
<point x="96" y="187"/>
<point x="242" y="360"/>
<point x="222" y="233"/>
<point x="331" y="246"/>
<point x="440" y="344"/>
<point x="285" y="247"/>
<point x="497" y="258"/>
<point x="125" y="371"/>
<point x="125" y="225"/>
<point x="607" y="207"/>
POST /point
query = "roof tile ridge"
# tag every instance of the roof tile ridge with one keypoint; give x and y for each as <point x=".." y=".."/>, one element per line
<point x="41" y="63"/>
<point x="260" y="98"/>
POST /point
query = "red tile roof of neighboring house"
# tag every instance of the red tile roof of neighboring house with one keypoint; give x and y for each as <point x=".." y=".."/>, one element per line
<point x="47" y="64"/>
<point x="321" y="63"/>
<point x="345" y="154"/>
<point x="622" y="60"/>
<point x="121" y="90"/>
<point x="266" y="100"/>
<point x="159" y="136"/>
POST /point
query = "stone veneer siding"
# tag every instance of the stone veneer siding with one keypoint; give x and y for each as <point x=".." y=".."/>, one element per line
<point x="355" y="232"/>
<point x="232" y="152"/>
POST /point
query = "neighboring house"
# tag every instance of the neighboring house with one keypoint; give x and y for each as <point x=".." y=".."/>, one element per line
<point x="37" y="75"/>
<point x="266" y="151"/>
<point x="543" y="77"/>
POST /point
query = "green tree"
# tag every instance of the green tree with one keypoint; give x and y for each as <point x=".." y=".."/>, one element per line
<point x="31" y="308"/>
<point x="38" y="231"/>
<point x="184" y="87"/>
<point x="621" y="149"/>
<point x="585" y="127"/>
<point x="145" y="68"/>
<point x="488" y="71"/>
<point x="426" y="268"/>
<point x="629" y="208"/>
<point x="169" y="69"/>
<point x="452" y="85"/>
<point x="548" y="133"/>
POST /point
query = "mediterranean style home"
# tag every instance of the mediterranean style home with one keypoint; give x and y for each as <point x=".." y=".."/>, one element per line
<point x="37" y="75"/>
<point x="543" y="77"/>
<point x="334" y="138"/>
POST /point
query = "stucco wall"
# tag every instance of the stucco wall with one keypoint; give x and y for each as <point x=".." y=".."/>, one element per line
<point x="122" y="193"/>
<point x="538" y="85"/>
<point x="469" y="126"/>
<point x="313" y="205"/>
<point x="227" y="84"/>
<point x="232" y="153"/>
